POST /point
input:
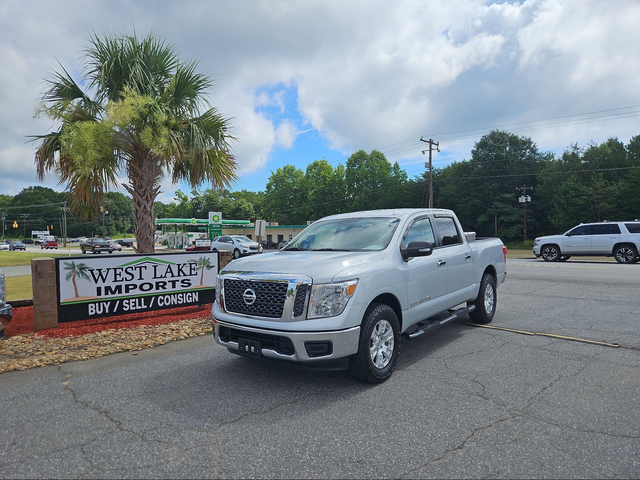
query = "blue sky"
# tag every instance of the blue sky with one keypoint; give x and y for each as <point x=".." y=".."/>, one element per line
<point x="324" y="78"/>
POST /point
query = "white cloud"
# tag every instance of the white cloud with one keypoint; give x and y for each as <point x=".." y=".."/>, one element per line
<point x="367" y="73"/>
<point x="286" y="134"/>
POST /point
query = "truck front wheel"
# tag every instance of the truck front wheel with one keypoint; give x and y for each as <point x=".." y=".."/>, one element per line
<point x="486" y="302"/>
<point x="550" y="253"/>
<point x="379" y="346"/>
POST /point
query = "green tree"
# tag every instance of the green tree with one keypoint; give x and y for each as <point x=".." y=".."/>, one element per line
<point x="145" y="118"/>
<point x="324" y="189"/>
<point x="37" y="208"/>
<point x="500" y="163"/>
<point x="285" y="196"/>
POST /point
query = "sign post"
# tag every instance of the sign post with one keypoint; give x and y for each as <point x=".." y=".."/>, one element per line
<point x="261" y="230"/>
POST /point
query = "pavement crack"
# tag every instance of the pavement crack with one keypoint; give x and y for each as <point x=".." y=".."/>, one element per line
<point x="267" y="411"/>
<point x="460" y="446"/>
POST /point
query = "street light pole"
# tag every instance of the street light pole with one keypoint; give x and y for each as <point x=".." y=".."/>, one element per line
<point x="524" y="199"/>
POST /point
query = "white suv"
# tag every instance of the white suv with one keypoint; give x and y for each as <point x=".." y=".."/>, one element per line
<point x="618" y="239"/>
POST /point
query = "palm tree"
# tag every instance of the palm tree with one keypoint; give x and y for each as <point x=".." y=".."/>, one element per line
<point x="79" y="270"/>
<point x="143" y="120"/>
<point x="203" y="263"/>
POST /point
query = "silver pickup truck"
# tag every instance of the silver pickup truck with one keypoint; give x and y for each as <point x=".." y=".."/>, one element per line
<point x="341" y="294"/>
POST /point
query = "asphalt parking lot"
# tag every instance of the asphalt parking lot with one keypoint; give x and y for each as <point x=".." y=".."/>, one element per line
<point x="464" y="402"/>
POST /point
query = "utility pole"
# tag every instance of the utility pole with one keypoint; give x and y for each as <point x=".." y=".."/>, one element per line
<point x="4" y="217"/>
<point x="431" y="144"/>
<point x="24" y="224"/>
<point x="524" y="198"/>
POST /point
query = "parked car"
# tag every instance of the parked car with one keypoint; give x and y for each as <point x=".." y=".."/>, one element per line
<point x="96" y="245"/>
<point x="27" y="240"/>
<point x="125" y="243"/>
<point x="620" y="240"/>
<point x="268" y="244"/>
<point x="49" y="242"/>
<point x="283" y="244"/>
<point x="5" y="246"/>
<point x="238" y="245"/>
<point x="17" y="245"/>
<point x="115" y="246"/>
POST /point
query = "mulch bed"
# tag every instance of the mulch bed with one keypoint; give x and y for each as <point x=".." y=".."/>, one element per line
<point x="22" y="348"/>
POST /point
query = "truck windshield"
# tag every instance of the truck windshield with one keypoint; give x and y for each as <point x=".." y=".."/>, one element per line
<point x="346" y="234"/>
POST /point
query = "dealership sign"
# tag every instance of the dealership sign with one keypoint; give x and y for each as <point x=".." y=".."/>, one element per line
<point x="98" y="286"/>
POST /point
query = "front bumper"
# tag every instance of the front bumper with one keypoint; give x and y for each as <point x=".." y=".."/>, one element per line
<point x="289" y="346"/>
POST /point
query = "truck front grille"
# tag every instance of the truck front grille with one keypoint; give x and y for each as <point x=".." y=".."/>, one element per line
<point x="269" y="297"/>
<point x="301" y="296"/>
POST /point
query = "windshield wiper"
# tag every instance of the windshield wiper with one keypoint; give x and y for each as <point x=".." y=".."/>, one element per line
<point x="295" y="249"/>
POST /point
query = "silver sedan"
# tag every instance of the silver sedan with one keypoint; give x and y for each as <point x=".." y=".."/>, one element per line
<point x="238" y="245"/>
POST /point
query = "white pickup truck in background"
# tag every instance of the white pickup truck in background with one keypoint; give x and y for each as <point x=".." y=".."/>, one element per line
<point x="341" y="294"/>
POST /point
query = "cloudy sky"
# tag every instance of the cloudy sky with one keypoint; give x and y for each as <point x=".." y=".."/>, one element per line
<point x="306" y="79"/>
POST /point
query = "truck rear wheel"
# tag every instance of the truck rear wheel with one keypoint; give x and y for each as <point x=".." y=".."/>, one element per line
<point x="379" y="345"/>
<point x="625" y="254"/>
<point x="486" y="302"/>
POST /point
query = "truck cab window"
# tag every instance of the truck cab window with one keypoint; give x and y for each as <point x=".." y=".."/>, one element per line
<point x="420" y="231"/>
<point x="447" y="231"/>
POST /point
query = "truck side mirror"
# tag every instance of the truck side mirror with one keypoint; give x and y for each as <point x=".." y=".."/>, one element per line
<point x="417" y="249"/>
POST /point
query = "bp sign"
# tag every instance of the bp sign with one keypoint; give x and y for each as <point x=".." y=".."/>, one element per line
<point x="215" y="224"/>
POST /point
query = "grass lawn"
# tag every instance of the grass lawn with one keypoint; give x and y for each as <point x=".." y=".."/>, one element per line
<point x="18" y="288"/>
<point x="11" y="259"/>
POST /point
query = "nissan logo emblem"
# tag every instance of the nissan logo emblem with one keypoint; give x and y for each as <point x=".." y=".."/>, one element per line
<point x="249" y="296"/>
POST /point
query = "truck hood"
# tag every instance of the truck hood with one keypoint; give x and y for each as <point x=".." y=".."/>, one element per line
<point x="550" y="237"/>
<point x="320" y="266"/>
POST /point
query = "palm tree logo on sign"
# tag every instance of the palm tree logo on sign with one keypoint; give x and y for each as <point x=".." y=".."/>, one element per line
<point x="76" y="271"/>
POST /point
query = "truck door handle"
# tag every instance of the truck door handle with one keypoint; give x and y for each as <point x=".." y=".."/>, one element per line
<point x="442" y="262"/>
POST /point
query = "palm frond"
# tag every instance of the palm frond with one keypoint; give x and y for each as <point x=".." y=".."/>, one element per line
<point x="115" y="63"/>
<point x="185" y="93"/>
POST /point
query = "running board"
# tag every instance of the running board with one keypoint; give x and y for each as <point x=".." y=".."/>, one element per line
<point x="424" y="327"/>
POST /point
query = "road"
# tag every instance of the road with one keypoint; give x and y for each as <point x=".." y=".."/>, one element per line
<point x="465" y="402"/>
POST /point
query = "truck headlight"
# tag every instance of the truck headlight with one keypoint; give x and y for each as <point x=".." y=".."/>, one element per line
<point x="218" y="289"/>
<point x="330" y="299"/>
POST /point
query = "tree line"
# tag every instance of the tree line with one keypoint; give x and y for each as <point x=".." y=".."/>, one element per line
<point x="594" y="183"/>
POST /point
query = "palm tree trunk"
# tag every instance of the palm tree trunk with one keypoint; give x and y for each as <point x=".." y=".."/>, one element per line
<point x="144" y="173"/>
<point x="75" y="286"/>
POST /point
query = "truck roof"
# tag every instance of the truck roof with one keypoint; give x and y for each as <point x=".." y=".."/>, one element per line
<point x="391" y="212"/>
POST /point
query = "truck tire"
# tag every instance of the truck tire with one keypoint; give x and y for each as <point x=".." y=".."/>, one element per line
<point x="625" y="254"/>
<point x="486" y="302"/>
<point x="379" y="346"/>
<point x="550" y="253"/>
